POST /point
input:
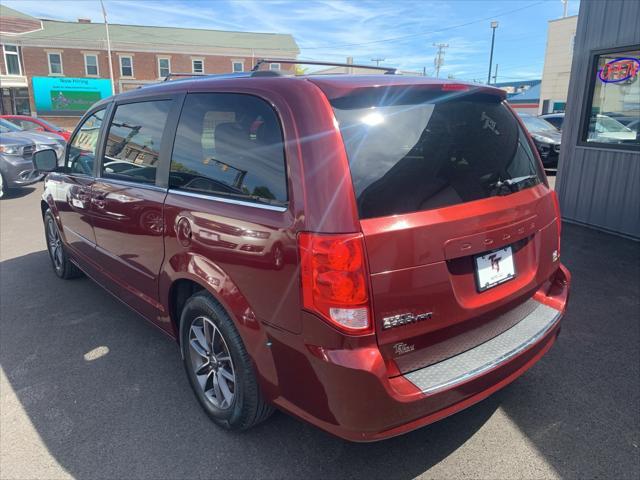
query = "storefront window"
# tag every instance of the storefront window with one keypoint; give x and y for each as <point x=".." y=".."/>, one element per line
<point x="614" y="111"/>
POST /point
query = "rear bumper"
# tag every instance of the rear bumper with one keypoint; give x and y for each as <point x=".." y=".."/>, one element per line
<point x="355" y="399"/>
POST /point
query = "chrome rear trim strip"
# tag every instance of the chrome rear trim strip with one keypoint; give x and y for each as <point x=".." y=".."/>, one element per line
<point x="231" y="201"/>
<point x="486" y="356"/>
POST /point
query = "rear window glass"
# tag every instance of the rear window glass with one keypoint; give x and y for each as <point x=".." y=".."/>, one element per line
<point x="414" y="149"/>
<point x="231" y="145"/>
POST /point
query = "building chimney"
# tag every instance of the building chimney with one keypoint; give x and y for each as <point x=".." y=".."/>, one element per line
<point x="84" y="20"/>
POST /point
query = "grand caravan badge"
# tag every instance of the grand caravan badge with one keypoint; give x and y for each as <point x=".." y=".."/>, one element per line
<point x="404" y="319"/>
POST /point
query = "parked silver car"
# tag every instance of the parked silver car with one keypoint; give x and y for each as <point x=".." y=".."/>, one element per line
<point x="41" y="140"/>
<point x="16" y="163"/>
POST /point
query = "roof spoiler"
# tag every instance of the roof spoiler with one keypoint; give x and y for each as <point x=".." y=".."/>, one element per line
<point x="387" y="70"/>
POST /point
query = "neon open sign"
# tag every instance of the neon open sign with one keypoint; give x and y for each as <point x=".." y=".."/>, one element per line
<point x="619" y="70"/>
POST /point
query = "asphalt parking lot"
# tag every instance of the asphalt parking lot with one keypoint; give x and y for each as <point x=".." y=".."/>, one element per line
<point x="90" y="390"/>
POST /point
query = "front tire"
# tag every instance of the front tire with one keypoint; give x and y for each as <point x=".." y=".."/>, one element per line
<point x="218" y="366"/>
<point x="60" y="262"/>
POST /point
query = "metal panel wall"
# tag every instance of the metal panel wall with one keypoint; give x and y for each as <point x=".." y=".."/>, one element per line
<point x="599" y="187"/>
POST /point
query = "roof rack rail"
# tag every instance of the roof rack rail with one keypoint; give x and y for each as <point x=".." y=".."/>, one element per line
<point x="182" y="75"/>
<point x="205" y="75"/>
<point x="256" y="67"/>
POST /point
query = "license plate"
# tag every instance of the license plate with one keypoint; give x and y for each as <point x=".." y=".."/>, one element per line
<point x="494" y="268"/>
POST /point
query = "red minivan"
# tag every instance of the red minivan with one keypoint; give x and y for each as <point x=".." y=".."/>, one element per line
<point x="370" y="253"/>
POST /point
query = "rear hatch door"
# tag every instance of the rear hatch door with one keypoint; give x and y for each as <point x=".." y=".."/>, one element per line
<point x="459" y="224"/>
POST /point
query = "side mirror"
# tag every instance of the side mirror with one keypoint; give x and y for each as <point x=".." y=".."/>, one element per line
<point x="45" y="160"/>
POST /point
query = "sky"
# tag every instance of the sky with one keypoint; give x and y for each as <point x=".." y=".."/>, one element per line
<point x="402" y="32"/>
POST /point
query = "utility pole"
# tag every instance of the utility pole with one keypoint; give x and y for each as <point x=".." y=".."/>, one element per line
<point x="495" y="75"/>
<point x="439" y="60"/>
<point x="565" y="6"/>
<point x="106" y="26"/>
<point x="378" y="60"/>
<point x="494" y="25"/>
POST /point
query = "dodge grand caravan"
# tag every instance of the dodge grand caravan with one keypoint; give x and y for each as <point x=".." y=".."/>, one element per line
<point x="368" y="253"/>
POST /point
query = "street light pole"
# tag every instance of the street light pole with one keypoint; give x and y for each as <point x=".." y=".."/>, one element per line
<point x="494" y="25"/>
<point x="106" y="26"/>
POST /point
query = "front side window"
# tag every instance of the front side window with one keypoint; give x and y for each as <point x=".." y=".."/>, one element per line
<point x="229" y="145"/>
<point x="12" y="60"/>
<point x="133" y="141"/>
<point x="413" y="149"/>
<point x="126" y="66"/>
<point x="614" y="111"/>
<point x="91" y="65"/>
<point x="55" y="63"/>
<point x="83" y="145"/>
<point x="164" y="67"/>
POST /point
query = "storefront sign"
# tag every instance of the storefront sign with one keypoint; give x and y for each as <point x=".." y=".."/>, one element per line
<point x="619" y="70"/>
<point x="68" y="96"/>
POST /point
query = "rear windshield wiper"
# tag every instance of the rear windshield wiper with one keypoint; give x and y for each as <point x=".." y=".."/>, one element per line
<point x="511" y="184"/>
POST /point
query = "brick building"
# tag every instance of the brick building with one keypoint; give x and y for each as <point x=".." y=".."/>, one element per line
<point x="56" y="69"/>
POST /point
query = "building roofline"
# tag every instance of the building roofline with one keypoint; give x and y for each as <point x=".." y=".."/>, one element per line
<point x="164" y="26"/>
<point x="563" y="18"/>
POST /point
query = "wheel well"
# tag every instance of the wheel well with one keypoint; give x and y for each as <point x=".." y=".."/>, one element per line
<point x="179" y="293"/>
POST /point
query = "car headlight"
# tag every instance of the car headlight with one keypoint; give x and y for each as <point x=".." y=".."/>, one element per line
<point x="11" y="149"/>
<point x="541" y="138"/>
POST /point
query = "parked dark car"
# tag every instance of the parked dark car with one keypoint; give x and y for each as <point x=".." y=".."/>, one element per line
<point x="41" y="140"/>
<point x="16" y="162"/>
<point x="368" y="253"/>
<point x="546" y="137"/>
<point x="555" y="119"/>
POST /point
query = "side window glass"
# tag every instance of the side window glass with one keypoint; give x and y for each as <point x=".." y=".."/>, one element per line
<point x="133" y="141"/>
<point x="83" y="145"/>
<point x="29" y="125"/>
<point x="230" y="145"/>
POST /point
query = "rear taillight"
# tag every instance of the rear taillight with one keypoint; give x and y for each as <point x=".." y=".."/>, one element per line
<point x="556" y="205"/>
<point x="334" y="280"/>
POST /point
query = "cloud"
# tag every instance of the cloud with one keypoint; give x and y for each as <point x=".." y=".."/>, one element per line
<point x="335" y="29"/>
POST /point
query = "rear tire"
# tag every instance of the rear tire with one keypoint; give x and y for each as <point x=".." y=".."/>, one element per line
<point x="60" y="262"/>
<point x="218" y="366"/>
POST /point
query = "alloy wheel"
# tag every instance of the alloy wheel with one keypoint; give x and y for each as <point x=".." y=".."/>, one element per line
<point x="55" y="244"/>
<point x="211" y="363"/>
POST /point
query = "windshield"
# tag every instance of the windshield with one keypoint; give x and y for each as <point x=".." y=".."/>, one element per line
<point x="7" y="126"/>
<point x="411" y="149"/>
<point x="536" y="124"/>
<point x="608" y="124"/>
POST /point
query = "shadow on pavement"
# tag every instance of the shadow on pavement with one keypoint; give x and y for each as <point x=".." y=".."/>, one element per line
<point x="586" y="391"/>
<point x="17" y="192"/>
<point x="131" y="414"/>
